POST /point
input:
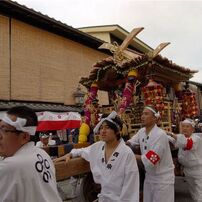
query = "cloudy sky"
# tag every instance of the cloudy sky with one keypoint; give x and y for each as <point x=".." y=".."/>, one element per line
<point x="178" y="22"/>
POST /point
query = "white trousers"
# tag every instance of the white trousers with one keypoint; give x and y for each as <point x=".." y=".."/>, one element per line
<point x="195" y="188"/>
<point x="154" y="192"/>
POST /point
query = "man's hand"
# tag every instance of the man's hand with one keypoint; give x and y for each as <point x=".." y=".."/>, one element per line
<point x="171" y="134"/>
<point x="65" y="158"/>
<point x="128" y="144"/>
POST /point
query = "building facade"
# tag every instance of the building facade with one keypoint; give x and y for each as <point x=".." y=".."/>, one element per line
<point x="41" y="59"/>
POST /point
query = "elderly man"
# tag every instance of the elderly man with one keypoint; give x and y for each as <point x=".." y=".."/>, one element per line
<point x="27" y="173"/>
<point x="190" y="156"/>
<point x="156" y="158"/>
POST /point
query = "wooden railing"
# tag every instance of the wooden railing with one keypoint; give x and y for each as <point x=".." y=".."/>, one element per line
<point x="76" y="166"/>
<point x="61" y="150"/>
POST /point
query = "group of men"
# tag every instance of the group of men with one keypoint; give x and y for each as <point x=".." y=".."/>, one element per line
<point x="157" y="160"/>
<point x="27" y="173"/>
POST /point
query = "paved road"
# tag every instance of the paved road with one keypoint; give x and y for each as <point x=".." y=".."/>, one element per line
<point x="181" y="191"/>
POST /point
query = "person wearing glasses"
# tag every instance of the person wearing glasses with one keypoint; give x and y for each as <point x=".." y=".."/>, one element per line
<point x="156" y="158"/>
<point x="27" y="173"/>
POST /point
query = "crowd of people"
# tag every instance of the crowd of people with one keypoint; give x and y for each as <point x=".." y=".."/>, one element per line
<point x="27" y="172"/>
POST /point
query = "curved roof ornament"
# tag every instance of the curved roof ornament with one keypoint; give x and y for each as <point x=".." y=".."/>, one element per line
<point x="152" y="54"/>
<point x="119" y="52"/>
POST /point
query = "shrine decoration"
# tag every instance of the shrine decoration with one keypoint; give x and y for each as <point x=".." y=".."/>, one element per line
<point x="177" y="87"/>
<point x="128" y="91"/>
<point x="176" y="105"/>
<point x="84" y="131"/>
<point x="120" y="73"/>
<point x="95" y="110"/>
<point x="190" y="108"/>
<point x="89" y="111"/>
<point x="120" y="53"/>
<point x="92" y="94"/>
<point x="152" y="54"/>
<point x="153" y="95"/>
<point x="178" y="90"/>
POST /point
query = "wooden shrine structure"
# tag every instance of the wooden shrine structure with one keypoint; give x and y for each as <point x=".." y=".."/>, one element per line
<point x="150" y="79"/>
<point x="132" y="80"/>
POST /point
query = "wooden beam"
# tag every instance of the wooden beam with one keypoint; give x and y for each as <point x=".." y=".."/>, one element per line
<point x="159" y="48"/>
<point x="75" y="166"/>
<point x="130" y="37"/>
<point x="168" y="76"/>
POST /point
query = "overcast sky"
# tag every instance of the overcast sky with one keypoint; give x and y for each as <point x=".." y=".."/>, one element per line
<point x="178" y="22"/>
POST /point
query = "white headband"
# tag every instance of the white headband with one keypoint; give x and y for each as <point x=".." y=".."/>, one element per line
<point x="156" y="114"/>
<point x="189" y="121"/>
<point x="108" y="118"/>
<point x="43" y="135"/>
<point x="19" y="125"/>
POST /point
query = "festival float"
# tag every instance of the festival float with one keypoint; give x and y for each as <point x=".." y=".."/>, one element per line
<point x="133" y="80"/>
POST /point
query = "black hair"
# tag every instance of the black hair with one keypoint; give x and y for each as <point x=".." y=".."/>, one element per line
<point x="26" y="113"/>
<point x="113" y="126"/>
<point x="82" y="113"/>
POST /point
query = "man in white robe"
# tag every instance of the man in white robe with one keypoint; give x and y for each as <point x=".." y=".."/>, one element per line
<point x="45" y="141"/>
<point x="190" y="156"/>
<point x="27" y="173"/>
<point x="116" y="173"/>
<point x="156" y="158"/>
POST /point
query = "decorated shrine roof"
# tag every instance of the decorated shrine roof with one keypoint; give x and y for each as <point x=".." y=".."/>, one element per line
<point x="109" y="73"/>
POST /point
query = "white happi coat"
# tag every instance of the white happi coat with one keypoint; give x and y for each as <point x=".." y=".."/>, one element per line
<point x="156" y="155"/>
<point x="28" y="176"/>
<point x="157" y="160"/>
<point x="190" y="156"/>
<point x="50" y="143"/>
<point x="119" y="177"/>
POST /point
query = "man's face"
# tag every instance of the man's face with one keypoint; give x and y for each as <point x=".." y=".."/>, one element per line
<point x="106" y="133"/>
<point x="148" y="118"/>
<point x="10" y="139"/>
<point x="44" y="140"/>
<point x="187" y="129"/>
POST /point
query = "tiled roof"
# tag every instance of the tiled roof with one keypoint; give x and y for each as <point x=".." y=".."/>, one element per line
<point x="4" y="105"/>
